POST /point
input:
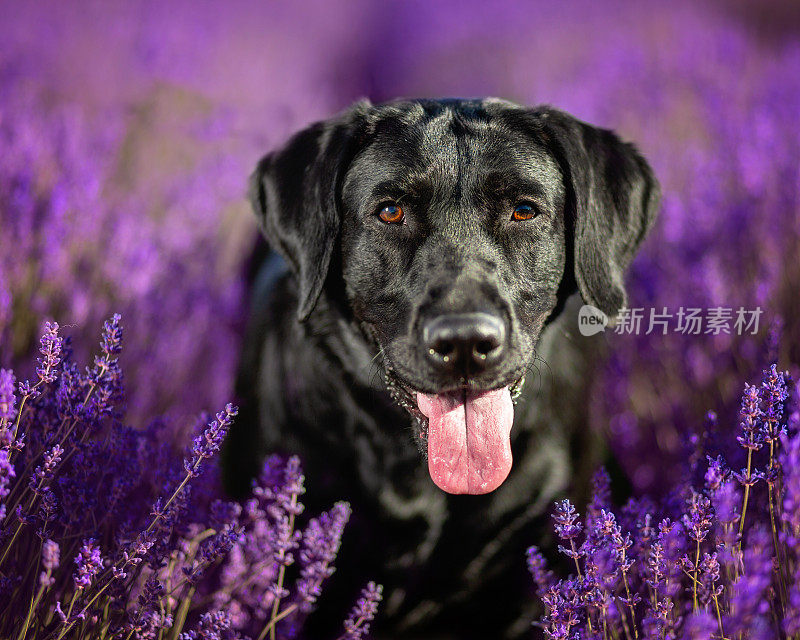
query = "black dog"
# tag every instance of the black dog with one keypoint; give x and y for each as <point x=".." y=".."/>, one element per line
<point x="430" y="245"/>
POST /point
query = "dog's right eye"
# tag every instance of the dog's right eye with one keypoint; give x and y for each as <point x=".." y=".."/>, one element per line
<point x="524" y="211"/>
<point x="391" y="214"/>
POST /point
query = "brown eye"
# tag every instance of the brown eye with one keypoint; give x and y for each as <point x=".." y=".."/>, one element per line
<point x="391" y="214"/>
<point x="524" y="211"/>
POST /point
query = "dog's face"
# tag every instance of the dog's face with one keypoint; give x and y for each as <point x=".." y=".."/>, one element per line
<point x="457" y="227"/>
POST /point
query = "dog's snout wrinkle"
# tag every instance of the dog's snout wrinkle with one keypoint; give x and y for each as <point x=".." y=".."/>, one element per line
<point x="464" y="343"/>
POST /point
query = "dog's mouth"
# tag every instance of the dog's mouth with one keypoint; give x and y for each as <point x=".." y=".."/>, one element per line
<point x="466" y="433"/>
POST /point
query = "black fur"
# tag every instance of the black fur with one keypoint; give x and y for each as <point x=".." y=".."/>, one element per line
<point x="334" y="355"/>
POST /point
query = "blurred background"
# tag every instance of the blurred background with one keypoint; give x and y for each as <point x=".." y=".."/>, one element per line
<point x="128" y="130"/>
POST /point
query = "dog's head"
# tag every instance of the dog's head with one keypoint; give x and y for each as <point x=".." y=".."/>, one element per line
<point x="456" y="227"/>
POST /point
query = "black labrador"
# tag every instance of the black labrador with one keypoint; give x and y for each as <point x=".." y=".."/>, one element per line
<point x="431" y="251"/>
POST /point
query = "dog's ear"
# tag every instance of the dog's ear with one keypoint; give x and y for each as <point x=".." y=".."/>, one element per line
<point x="615" y="198"/>
<point x="294" y="192"/>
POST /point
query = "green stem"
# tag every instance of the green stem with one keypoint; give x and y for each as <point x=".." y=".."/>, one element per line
<point x="746" y="496"/>
<point x="281" y="573"/>
<point x="694" y="577"/>
<point x="180" y="616"/>
<point x="271" y="624"/>
<point x="580" y="576"/>
<point x="34" y="603"/>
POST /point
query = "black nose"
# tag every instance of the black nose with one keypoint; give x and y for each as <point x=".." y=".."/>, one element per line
<point x="464" y="342"/>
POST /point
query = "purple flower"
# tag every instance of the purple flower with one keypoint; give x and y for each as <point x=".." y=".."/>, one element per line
<point x="656" y="567"/>
<point x="7" y="397"/>
<point x="537" y="565"/>
<point x="7" y="473"/>
<point x="750" y="419"/>
<point x="790" y="463"/>
<point x="709" y="577"/>
<point x="89" y="563"/>
<point x="672" y="539"/>
<point x="601" y="496"/>
<point x="749" y="601"/>
<point x="94" y="479"/>
<point x="212" y="626"/>
<point x="356" y="626"/>
<point x="207" y="444"/>
<point x="698" y="520"/>
<point x="774" y="393"/>
<point x="47" y="511"/>
<point x="44" y="473"/>
<point x="212" y="551"/>
<point x="321" y="541"/>
<point x="106" y="376"/>
<point x="791" y="623"/>
<point x="51" y="555"/>
<point x="287" y="494"/>
<point x="561" y="610"/>
<point x="566" y="518"/>
<point x="699" y="626"/>
<point x="727" y="503"/>
<point x="715" y="475"/>
<point x="150" y="618"/>
<point x="111" y="339"/>
<point x="50" y="348"/>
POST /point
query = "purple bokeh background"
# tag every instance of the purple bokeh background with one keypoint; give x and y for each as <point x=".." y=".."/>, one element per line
<point x="127" y="132"/>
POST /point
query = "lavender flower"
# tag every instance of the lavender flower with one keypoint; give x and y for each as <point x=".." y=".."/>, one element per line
<point x="50" y="555"/>
<point x="698" y="520"/>
<point x="791" y="623"/>
<point x="790" y="463"/>
<point x="47" y="511"/>
<point x="212" y="626"/>
<point x="88" y="562"/>
<point x="699" y="626"/>
<point x="7" y="397"/>
<point x="715" y="475"/>
<point x="537" y="565"/>
<point x="150" y="619"/>
<point x="95" y="479"/>
<point x="50" y="348"/>
<point x="207" y="444"/>
<point x="111" y="340"/>
<point x="321" y="541"/>
<point x="565" y="518"/>
<point x="656" y="567"/>
<point x="50" y="560"/>
<point x="732" y="587"/>
<point x="601" y="496"/>
<point x="356" y="626"/>
<point x="750" y="423"/>
<point x="709" y="577"/>
<point x="749" y="603"/>
<point x="727" y="502"/>
<point x="561" y="604"/>
<point x="44" y="473"/>
<point x="774" y="393"/>
<point x="211" y="552"/>
<point x="7" y="473"/>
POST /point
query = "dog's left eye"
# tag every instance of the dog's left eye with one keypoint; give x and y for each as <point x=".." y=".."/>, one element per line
<point x="391" y="214"/>
<point x="524" y="211"/>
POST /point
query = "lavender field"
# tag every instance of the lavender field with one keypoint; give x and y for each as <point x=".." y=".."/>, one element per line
<point x="127" y="132"/>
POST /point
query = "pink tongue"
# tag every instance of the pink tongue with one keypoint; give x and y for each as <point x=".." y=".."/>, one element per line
<point x="469" y="439"/>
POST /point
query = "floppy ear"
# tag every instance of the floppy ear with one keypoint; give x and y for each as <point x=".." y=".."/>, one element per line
<point x="616" y="198"/>
<point x="294" y="192"/>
